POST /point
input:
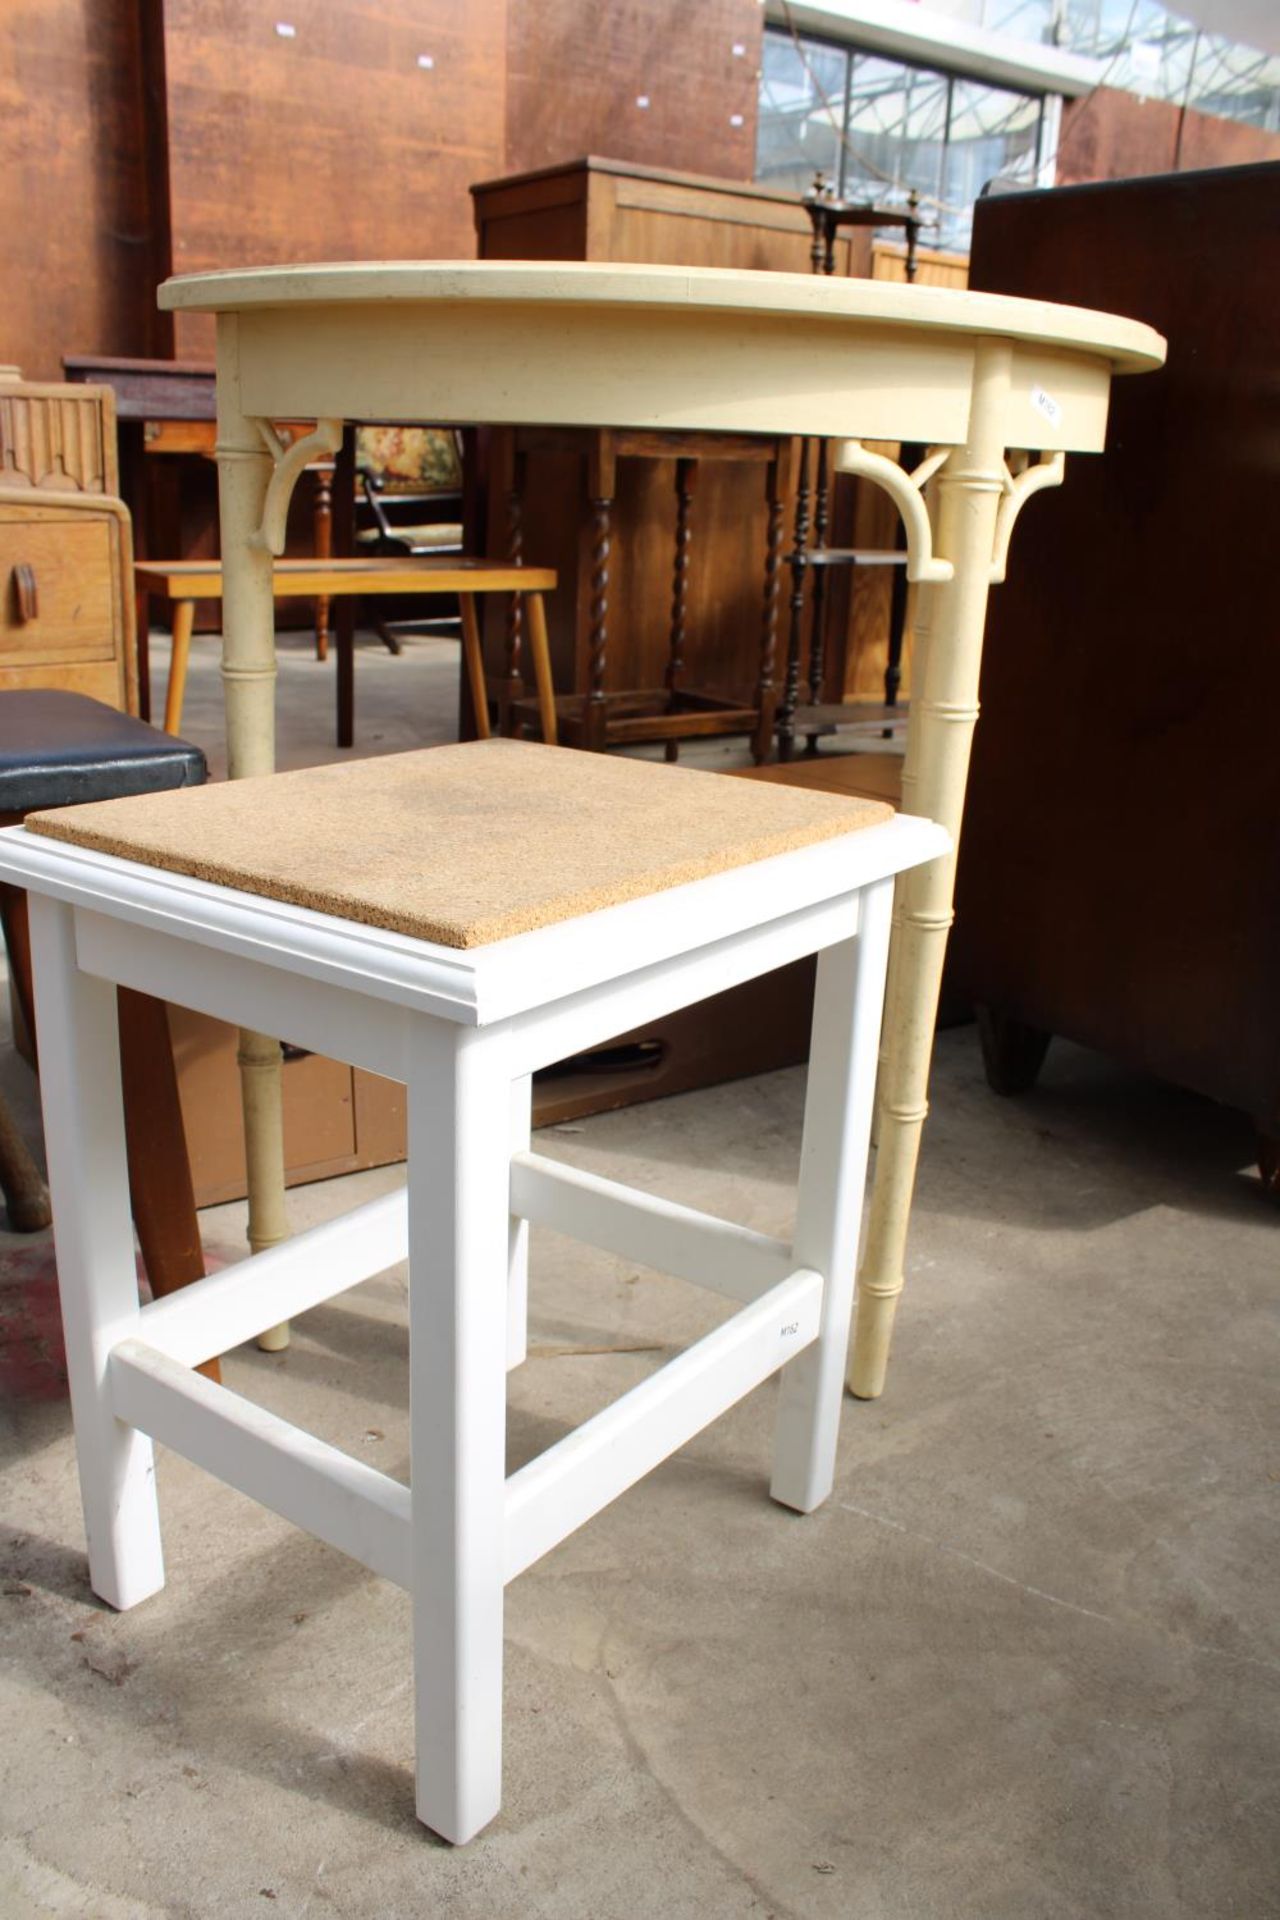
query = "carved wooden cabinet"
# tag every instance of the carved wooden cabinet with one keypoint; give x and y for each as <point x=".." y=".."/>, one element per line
<point x="1118" y="878"/>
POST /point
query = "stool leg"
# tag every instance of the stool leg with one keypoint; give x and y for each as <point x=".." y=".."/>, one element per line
<point x="474" y="658"/>
<point x="184" y="614"/>
<point x="459" y="1185"/>
<point x="847" y="1008"/>
<point x="93" y="1233"/>
<point x="518" y="1231"/>
<point x="540" y="652"/>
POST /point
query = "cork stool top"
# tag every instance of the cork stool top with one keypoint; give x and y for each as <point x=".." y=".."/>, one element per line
<point x="463" y="845"/>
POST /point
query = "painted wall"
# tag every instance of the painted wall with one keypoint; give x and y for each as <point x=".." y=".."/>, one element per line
<point x="576" y="76"/>
<point x="355" y="136"/>
<point x="76" y="213"/>
<point x="135" y="133"/>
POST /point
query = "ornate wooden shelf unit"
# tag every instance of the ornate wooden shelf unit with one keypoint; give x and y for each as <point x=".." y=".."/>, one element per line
<point x="603" y="716"/>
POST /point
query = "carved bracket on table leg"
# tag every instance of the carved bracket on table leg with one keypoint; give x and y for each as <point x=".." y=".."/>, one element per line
<point x="1029" y="478"/>
<point x="289" y="458"/>
<point x="906" y="490"/>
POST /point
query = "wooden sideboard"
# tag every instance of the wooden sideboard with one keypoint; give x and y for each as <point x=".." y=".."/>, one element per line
<point x="598" y="209"/>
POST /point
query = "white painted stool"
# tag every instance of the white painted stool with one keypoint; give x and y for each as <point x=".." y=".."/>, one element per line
<point x="452" y="919"/>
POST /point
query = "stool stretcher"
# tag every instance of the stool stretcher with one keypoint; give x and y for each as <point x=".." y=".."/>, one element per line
<point x="716" y="1254"/>
<point x="226" y="1309"/>
<point x="340" y="1500"/>
<point x="558" y="1492"/>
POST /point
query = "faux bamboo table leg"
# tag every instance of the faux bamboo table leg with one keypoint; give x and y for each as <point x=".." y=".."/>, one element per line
<point x="970" y="486"/>
<point x="248" y="684"/>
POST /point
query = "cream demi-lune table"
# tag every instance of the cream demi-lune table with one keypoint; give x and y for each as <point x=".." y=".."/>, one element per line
<point x="999" y="390"/>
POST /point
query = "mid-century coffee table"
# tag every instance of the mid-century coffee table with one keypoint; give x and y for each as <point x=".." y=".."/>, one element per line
<point x="999" y="390"/>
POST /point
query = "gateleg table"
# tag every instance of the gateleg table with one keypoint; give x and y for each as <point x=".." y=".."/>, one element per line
<point x="998" y="390"/>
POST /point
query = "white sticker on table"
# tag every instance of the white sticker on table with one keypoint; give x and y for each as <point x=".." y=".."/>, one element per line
<point x="1044" y="403"/>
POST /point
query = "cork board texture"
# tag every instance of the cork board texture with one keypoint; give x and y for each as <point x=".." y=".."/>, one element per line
<point x="467" y="844"/>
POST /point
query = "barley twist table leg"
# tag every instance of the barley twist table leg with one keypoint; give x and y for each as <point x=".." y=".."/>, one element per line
<point x="248" y="680"/>
<point x="599" y="618"/>
<point x="798" y="560"/>
<point x="778" y="474"/>
<point x="944" y="708"/>
<point x="686" y="478"/>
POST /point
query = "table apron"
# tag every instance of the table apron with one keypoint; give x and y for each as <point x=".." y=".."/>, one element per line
<point x="333" y="1020"/>
<point x="585" y="1019"/>
<point x="644" y="368"/>
<point x="365" y="1031"/>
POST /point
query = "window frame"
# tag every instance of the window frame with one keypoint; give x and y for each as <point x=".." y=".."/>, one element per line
<point x="851" y="51"/>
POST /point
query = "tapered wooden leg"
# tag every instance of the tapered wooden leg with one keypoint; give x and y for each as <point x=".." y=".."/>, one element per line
<point x="160" y="1189"/>
<point x="944" y="708"/>
<point x="540" y="650"/>
<point x="474" y="659"/>
<point x="848" y="1000"/>
<point x="459" y="1185"/>
<point x="15" y="918"/>
<point x="248" y="680"/>
<point x="163" y="1200"/>
<point x="184" y="613"/>
<point x="93" y="1233"/>
<point x="26" y="1196"/>
<point x="25" y="1193"/>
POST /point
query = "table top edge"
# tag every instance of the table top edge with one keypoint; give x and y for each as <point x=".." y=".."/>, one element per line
<point x="1130" y="345"/>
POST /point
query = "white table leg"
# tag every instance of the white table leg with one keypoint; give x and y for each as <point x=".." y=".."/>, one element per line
<point x="833" y="1168"/>
<point x="97" y="1272"/>
<point x="518" y="1231"/>
<point x="248" y="683"/>
<point x="944" y="708"/>
<point x="459" y="1193"/>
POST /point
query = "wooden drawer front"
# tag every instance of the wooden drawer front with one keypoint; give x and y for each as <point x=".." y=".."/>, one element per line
<point x="72" y="564"/>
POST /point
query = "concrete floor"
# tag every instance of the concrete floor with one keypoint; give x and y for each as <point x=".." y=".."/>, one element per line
<point x="1025" y="1665"/>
